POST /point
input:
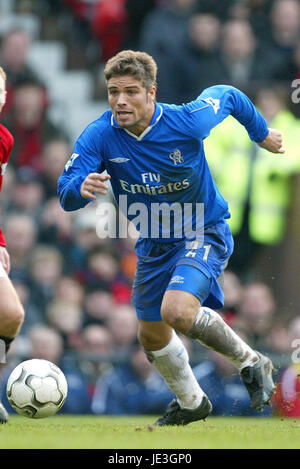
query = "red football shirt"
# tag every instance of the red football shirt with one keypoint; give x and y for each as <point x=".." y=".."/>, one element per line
<point x="6" y="146"/>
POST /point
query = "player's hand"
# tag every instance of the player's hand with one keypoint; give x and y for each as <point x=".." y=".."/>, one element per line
<point x="94" y="184"/>
<point x="5" y="259"/>
<point x="273" y="142"/>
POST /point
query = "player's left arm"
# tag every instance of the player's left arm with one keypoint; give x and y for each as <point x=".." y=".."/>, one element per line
<point x="273" y="142"/>
<point x="218" y="102"/>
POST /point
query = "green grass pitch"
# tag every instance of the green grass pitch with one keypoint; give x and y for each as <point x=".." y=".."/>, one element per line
<point x="93" y="432"/>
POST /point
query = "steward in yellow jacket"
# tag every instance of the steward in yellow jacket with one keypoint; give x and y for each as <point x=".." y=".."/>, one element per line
<point x="253" y="180"/>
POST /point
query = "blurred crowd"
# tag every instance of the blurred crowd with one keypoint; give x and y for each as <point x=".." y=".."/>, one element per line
<point x="75" y="286"/>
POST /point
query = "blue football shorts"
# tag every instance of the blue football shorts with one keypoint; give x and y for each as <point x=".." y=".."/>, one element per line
<point x="176" y="266"/>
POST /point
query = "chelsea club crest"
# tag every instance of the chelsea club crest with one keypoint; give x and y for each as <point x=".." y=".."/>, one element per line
<point x="176" y="157"/>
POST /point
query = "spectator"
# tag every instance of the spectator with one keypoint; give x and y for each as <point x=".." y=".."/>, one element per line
<point x="127" y="255"/>
<point x="285" y="27"/>
<point x="279" y="341"/>
<point x="292" y="69"/>
<point x="98" y="305"/>
<point x="66" y="318"/>
<point x="21" y="232"/>
<point x="102" y="265"/>
<point x="86" y="239"/>
<point x="122" y="290"/>
<point x="85" y="234"/>
<point x="45" y="343"/>
<point x="83" y="48"/>
<point x="162" y="35"/>
<point x="28" y="194"/>
<point x="105" y="270"/>
<point x="123" y="326"/>
<point x="13" y="53"/>
<point x="131" y="388"/>
<point x="69" y="289"/>
<point x="33" y="314"/>
<point x="30" y="124"/>
<point x="108" y="24"/>
<point x="96" y="352"/>
<point x="259" y="17"/>
<point x="221" y="9"/>
<point x="128" y="265"/>
<point x="256" y="313"/>
<point x="46" y="266"/>
<point x="233" y="293"/>
<point x="56" y="229"/>
<point x="55" y="154"/>
<point x="196" y="63"/>
<point x="242" y="59"/>
<point x="136" y="13"/>
<point x="97" y="340"/>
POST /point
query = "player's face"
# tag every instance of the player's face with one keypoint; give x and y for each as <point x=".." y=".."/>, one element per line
<point x="2" y="92"/>
<point x="131" y="103"/>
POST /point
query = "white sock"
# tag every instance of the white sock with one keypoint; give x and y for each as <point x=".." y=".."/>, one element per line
<point x="211" y="330"/>
<point x="172" y="362"/>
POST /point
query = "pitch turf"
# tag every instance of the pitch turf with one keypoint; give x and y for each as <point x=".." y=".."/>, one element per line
<point x="91" y="432"/>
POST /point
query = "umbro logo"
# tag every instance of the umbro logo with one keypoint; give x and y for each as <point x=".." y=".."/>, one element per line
<point x="177" y="279"/>
<point x="119" y="160"/>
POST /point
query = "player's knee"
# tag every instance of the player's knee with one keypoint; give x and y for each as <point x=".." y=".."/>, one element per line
<point x="19" y="316"/>
<point x="148" y="341"/>
<point x="177" y="315"/>
<point x="11" y="319"/>
<point x="153" y="339"/>
<point x="16" y="319"/>
<point x="143" y="338"/>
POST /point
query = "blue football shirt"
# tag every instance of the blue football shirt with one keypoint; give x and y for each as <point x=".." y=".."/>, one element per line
<point x="164" y="167"/>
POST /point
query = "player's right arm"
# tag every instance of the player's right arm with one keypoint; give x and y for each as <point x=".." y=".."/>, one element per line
<point x="94" y="184"/>
<point x="81" y="179"/>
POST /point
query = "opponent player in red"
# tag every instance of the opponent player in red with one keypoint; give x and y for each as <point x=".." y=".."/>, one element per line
<point x="11" y="310"/>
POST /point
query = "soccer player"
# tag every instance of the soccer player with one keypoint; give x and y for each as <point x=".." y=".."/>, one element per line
<point x="153" y="154"/>
<point x="11" y="310"/>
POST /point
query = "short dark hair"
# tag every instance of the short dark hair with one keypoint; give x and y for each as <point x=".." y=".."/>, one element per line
<point x="135" y="63"/>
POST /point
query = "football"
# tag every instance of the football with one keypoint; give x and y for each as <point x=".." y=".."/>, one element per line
<point x="36" y="389"/>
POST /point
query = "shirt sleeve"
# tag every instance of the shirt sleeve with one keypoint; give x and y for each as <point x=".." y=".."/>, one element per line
<point x="86" y="159"/>
<point x="6" y="146"/>
<point x="2" y="239"/>
<point x="216" y="103"/>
